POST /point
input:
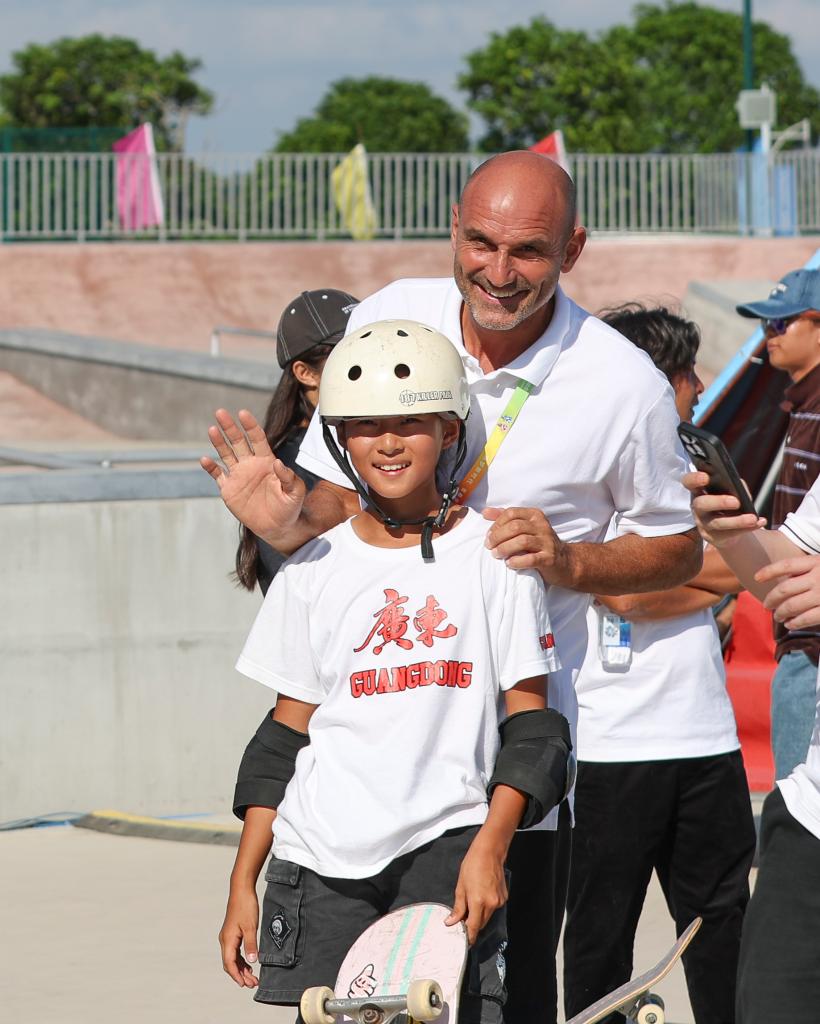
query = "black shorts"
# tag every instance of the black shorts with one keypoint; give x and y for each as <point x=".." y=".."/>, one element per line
<point x="309" y="922"/>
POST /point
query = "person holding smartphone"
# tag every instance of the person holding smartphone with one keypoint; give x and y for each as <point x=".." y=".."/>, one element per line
<point x="779" y="969"/>
<point x="790" y="318"/>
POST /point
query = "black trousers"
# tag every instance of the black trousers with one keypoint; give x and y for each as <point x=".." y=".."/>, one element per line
<point x="691" y="821"/>
<point x="779" y="973"/>
<point x="539" y="868"/>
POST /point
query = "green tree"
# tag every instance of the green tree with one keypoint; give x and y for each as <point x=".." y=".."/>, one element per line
<point x="386" y="114"/>
<point x="99" y="81"/>
<point x="666" y="83"/>
<point x="690" y="58"/>
<point x="533" y="79"/>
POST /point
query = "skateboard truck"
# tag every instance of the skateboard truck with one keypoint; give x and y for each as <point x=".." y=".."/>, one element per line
<point x="649" y="1009"/>
<point x="422" y="1002"/>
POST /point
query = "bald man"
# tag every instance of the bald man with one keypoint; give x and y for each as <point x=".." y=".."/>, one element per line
<point x="588" y="429"/>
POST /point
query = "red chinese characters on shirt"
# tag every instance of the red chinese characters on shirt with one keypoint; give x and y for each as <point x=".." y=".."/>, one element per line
<point x="428" y="618"/>
<point x="391" y="623"/>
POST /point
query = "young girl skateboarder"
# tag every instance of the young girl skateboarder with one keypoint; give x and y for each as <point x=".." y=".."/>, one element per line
<point x="390" y="641"/>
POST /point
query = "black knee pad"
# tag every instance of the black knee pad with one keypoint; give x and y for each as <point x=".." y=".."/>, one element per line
<point x="267" y="766"/>
<point x="535" y="758"/>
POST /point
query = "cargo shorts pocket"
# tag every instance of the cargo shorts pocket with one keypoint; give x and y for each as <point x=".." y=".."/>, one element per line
<point x="282" y="934"/>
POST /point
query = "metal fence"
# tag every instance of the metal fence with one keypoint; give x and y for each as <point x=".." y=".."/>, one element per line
<point x="279" y="196"/>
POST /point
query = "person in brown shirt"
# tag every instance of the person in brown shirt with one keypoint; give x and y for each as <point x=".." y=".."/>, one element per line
<point x="790" y="318"/>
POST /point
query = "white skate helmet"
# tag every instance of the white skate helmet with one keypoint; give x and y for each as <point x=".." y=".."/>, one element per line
<point x="394" y="368"/>
<point x="391" y="368"/>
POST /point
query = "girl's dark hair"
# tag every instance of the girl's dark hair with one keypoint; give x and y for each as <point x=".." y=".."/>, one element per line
<point x="670" y="341"/>
<point x="287" y="411"/>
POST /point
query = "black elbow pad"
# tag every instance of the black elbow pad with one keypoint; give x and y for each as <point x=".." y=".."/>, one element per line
<point x="535" y="758"/>
<point x="267" y="766"/>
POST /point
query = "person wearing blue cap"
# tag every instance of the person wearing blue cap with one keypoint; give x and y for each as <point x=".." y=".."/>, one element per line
<point x="790" y="318"/>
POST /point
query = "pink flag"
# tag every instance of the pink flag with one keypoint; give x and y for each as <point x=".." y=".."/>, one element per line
<point x="139" y="200"/>
<point x="552" y="145"/>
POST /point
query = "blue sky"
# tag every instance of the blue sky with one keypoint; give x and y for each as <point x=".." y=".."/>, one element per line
<point x="269" y="61"/>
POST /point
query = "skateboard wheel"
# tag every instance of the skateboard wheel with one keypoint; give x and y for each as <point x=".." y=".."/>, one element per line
<point x="651" y="1013"/>
<point x="312" y="1005"/>
<point x="425" y="1000"/>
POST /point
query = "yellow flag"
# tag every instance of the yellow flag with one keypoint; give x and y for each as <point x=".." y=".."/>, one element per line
<point x="351" y="190"/>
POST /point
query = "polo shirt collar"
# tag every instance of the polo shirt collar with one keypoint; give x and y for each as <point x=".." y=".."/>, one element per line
<point x="802" y="391"/>
<point x="535" y="363"/>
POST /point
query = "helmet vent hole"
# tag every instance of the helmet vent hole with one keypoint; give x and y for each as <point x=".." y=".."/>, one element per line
<point x="366" y="335"/>
<point x="402" y="371"/>
<point x="402" y="334"/>
<point x="354" y="372"/>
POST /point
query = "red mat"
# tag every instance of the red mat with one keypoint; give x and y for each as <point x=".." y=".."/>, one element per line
<point x="750" y="666"/>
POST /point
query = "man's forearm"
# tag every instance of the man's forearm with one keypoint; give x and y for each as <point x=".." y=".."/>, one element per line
<point x="716" y="574"/>
<point x="633" y="565"/>
<point x="703" y="591"/>
<point x="661" y="604"/>
<point x="325" y="507"/>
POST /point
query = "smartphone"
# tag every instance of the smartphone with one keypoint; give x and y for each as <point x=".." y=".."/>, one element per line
<point x="709" y="455"/>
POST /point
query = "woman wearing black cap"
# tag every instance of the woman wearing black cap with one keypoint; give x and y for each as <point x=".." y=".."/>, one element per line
<point x="309" y="327"/>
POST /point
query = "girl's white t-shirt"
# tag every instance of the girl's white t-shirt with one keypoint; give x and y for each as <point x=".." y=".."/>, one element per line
<point x="801" y="790"/>
<point x="406" y="661"/>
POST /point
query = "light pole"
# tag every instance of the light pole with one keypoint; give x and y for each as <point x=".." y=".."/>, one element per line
<point x="748" y="62"/>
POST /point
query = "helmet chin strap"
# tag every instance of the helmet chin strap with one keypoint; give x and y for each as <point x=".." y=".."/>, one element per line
<point x="428" y="523"/>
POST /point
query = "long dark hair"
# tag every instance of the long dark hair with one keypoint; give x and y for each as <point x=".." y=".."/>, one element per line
<point x="287" y="411"/>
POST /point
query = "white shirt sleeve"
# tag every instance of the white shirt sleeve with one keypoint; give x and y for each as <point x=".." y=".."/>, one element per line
<point x="803" y="526"/>
<point x="646" y="480"/>
<point x="526" y="645"/>
<point x="278" y="651"/>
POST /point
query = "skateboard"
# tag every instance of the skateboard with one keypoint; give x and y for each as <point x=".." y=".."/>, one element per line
<point x="407" y="966"/>
<point x="634" y="998"/>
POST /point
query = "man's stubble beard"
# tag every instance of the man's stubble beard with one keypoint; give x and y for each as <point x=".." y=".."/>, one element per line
<point x="488" y="321"/>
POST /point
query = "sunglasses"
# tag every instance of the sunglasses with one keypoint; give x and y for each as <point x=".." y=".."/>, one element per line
<point x="780" y="324"/>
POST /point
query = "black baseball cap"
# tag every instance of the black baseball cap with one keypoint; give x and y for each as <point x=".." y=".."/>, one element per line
<point x="312" y="318"/>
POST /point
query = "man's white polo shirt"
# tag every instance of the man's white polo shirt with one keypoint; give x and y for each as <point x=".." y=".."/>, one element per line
<point x="595" y="438"/>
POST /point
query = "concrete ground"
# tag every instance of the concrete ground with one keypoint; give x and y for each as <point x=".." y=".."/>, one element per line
<point x="113" y="929"/>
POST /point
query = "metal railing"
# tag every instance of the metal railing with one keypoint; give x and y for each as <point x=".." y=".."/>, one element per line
<point x="281" y="196"/>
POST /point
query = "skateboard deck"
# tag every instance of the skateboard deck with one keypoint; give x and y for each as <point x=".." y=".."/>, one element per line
<point x="407" y="946"/>
<point x="631" y="998"/>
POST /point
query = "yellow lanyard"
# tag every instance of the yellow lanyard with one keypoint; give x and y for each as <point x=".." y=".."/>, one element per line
<point x="476" y="472"/>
